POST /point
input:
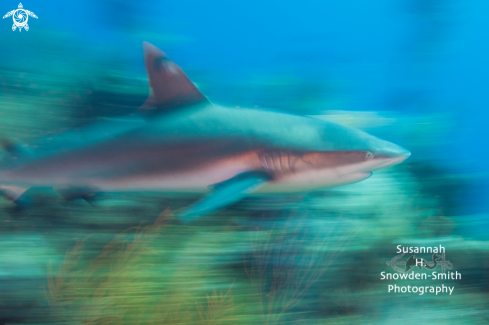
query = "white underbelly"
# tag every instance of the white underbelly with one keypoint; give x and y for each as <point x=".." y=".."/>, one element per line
<point x="198" y="181"/>
<point x="310" y="181"/>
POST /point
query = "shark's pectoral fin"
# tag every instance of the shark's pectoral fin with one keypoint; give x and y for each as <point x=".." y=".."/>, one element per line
<point x="224" y="194"/>
<point x="171" y="89"/>
<point x="12" y="193"/>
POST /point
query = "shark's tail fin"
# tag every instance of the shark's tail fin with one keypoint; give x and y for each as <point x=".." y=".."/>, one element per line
<point x="171" y="88"/>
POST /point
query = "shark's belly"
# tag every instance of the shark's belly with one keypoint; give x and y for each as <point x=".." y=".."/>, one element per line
<point x="199" y="180"/>
<point x="195" y="180"/>
<point x="210" y="172"/>
<point x="310" y="181"/>
<point x="121" y="167"/>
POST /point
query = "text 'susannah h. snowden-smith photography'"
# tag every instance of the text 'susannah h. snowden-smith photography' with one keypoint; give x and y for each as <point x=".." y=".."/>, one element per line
<point x="412" y="269"/>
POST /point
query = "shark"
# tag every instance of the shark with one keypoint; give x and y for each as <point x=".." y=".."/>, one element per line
<point x="178" y="141"/>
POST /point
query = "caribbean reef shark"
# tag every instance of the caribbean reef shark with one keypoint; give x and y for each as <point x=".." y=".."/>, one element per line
<point x="180" y="142"/>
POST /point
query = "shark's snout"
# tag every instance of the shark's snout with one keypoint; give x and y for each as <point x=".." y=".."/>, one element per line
<point x="400" y="158"/>
<point x="395" y="151"/>
<point x="390" y="154"/>
<point x="394" y="154"/>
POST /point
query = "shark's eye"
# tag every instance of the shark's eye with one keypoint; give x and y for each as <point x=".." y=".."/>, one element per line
<point x="369" y="156"/>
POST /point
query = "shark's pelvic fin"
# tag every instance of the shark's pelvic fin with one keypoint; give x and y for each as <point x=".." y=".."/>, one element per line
<point x="224" y="194"/>
<point x="77" y="192"/>
<point x="171" y="88"/>
<point x="87" y="193"/>
<point x="27" y="198"/>
<point x="12" y="193"/>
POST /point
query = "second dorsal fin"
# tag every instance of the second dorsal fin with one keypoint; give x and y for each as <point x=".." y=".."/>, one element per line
<point x="171" y="88"/>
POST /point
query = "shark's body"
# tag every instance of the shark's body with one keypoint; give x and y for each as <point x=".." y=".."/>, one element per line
<point x="191" y="145"/>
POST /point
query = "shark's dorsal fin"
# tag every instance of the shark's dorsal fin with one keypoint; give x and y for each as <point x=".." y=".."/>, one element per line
<point x="171" y="89"/>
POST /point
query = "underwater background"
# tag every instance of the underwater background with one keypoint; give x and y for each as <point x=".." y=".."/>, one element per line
<point x="414" y="72"/>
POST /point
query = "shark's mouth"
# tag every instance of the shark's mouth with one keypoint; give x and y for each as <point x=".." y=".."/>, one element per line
<point x="392" y="161"/>
<point x="353" y="176"/>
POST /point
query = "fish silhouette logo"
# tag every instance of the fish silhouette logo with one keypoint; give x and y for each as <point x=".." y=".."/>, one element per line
<point x="20" y="17"/>
<point x="412" y="261"/>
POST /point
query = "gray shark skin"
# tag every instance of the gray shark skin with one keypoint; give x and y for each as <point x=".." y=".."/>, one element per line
<point x="180" y="142"/>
